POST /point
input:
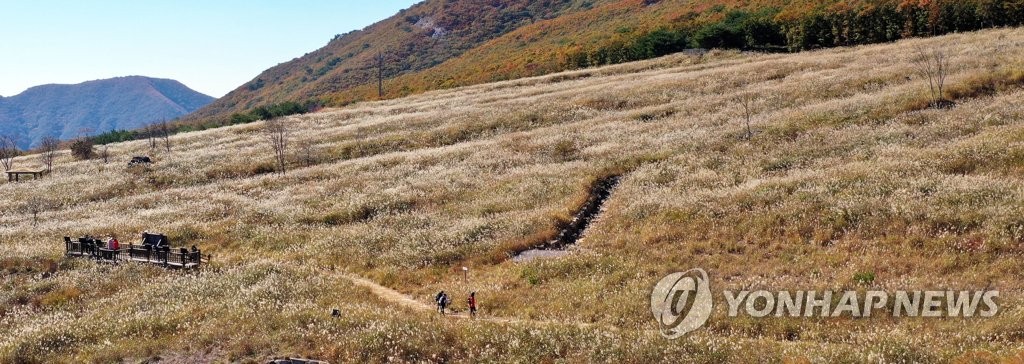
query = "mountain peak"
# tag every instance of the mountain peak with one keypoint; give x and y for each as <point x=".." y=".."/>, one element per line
<point x="68" y="111"/>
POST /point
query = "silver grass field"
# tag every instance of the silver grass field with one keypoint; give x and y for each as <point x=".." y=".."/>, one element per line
<point x="848" y="173"/>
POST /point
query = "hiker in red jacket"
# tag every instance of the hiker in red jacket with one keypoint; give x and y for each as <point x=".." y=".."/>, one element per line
<point x="472" y="304"/>
<point x="111" y="243"/>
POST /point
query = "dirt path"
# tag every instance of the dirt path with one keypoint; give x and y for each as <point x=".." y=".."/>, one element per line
<point x="388" y="294"/>
<point x="398" y="298"/>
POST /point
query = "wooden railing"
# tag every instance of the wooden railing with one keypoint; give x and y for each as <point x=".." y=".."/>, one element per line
<point x="167" y="257"/>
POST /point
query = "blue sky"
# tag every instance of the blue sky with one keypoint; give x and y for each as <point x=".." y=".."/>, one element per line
<point x="210" y="46"/>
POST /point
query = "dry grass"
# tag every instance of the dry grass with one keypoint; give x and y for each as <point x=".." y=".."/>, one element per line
<point x="847" y="176"/>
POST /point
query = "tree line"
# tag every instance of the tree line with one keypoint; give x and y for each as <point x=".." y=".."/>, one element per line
<point x="804" y="25"/>
<point x="264" y="112"/>
<point x="272" y="111"/>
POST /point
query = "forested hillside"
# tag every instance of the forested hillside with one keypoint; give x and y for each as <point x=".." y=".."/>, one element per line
<point x="441" y="44"/>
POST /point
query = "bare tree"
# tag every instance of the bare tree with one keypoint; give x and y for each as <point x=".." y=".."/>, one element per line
<point x="105" y="153"/>
<point x="48" y="152"/>
<point x="746" y="100"/>
<point x="34" y="205"/>
<point x="151" y="135"/>
<point x="165" y="134"/>
<point x="380" y="75"/>
<point x="277" y="133"/>
<point x="933" y="65"/>
<point x="307" y="153"/>
<point x="8" y="150"/>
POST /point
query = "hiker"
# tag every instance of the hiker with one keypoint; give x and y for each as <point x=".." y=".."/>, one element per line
<point x="442" y="301"/>
<point x="194" y="255"/>
<point x="113" y="244"/>
<point x="90" y="245"/>
<point x="472" y="304"/>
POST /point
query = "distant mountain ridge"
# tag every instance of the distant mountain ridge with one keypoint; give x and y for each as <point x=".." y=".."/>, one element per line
<point x="93" y="107"/>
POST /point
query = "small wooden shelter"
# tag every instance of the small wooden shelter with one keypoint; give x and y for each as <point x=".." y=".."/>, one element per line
<point x="15" y="175"/>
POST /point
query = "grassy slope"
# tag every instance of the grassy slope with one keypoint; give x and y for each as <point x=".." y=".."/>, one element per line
<point x="847" y="174"/>
<point x="530" y="50"/>
<point x="485" y="41"/>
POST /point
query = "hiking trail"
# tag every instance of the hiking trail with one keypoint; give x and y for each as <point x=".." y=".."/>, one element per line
<point x="598" y="195"/>
<point x="401" y="299"/>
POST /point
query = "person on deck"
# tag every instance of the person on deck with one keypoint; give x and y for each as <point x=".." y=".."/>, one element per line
<point x="113" y="244"/>
<point x="472" y="304"/>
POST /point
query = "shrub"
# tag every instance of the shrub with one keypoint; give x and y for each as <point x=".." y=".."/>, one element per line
<point x="237" y="118"/>
<point x="59" y="297"/>
<point x="531" y="275"/>
<point x="565" y="150"/>
<point x="864" y="278"/>
<point x="272" y="111"/>
<point x="82" y="149"/>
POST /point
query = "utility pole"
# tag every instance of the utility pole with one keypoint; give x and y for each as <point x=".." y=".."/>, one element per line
<point x="380" y="75"/>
